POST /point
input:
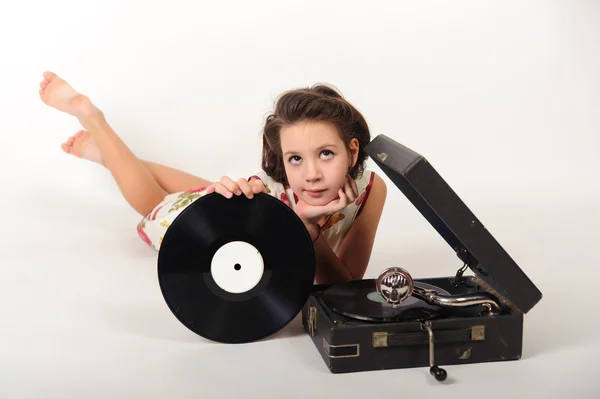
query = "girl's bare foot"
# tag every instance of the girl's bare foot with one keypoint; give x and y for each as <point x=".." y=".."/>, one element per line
<point x="81" y="145"/>
<point x="58" y="94"/>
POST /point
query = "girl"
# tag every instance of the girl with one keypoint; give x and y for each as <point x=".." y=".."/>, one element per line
<point x="313" y="160"/>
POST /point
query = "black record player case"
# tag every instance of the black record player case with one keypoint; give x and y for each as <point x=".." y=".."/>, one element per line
<point x="461" y="335"/>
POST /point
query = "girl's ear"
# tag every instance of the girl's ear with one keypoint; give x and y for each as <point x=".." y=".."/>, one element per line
<point x="354" y="146"/>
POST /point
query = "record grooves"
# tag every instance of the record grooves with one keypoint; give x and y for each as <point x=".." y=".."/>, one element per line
<point x="360" y="300"/>
<point x="236" y="270"/>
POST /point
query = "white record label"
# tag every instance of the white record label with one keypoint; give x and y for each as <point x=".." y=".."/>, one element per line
<point x="237" y="267"/>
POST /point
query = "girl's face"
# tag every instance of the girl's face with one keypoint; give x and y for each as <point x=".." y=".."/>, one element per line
<point x="316" y="160"/>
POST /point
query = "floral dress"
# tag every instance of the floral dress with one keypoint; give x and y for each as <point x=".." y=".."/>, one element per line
<point x="153" y="226"/>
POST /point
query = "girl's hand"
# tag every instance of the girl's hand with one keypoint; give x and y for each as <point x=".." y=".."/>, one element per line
<point x="311" y="214"/>
<point x="228" y="188"/>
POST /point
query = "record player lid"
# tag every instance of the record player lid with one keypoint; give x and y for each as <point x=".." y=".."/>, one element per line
<point x="447" y="213"/>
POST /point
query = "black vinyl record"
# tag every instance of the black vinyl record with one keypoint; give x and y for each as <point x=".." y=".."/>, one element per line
<point x="236" y="270"/>
<point x="360" y="300"/>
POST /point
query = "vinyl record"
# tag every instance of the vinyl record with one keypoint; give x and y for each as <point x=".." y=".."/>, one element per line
<point x="360" y="300"/>
<point x="236" y="270"/>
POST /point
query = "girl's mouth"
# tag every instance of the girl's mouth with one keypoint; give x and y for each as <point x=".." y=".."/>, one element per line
<point x="315" y="193"/>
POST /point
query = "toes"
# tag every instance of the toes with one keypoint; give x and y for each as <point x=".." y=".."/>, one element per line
<point x="49" y="75"/>
<point x="79" y="134"/>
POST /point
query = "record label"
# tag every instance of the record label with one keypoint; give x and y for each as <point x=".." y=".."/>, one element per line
<point x="236" y="270"/>
<point x="237" y="267"/>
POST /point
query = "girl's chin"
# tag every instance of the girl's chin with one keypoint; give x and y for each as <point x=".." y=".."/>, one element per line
<point x="317" y="201"/>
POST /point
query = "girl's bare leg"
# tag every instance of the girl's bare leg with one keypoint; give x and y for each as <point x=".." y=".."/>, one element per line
<point x="139" y="187"/>
<point x="174" y="180"/>
<point x="170" y="179"/>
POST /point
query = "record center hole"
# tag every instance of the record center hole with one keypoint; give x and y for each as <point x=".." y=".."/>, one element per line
<point x="237" y="266"/>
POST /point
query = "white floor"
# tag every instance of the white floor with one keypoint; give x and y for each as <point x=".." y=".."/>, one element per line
<point x="501" y="98"/>
<point x="83" y="317"/>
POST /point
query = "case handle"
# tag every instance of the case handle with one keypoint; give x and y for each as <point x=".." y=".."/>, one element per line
<point x="387" y="339"/>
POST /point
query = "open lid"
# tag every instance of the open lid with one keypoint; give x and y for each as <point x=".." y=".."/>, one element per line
<point x="447" y="213"/>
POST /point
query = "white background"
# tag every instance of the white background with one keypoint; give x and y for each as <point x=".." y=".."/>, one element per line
<point x="501" y="97"/>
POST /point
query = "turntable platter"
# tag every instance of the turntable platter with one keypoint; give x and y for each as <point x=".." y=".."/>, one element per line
<point x="360" y="300"/>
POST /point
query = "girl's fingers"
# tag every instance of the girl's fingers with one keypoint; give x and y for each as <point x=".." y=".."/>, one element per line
<point x="354" y="188"/>
<point x="228" y="188"/>
<point x="221" y="189"/>
<point x="258" y="186"/>
<point x="230" y="185"/>
<point x="343" y="199"/>
<point x="349" y="191"/>
<point x="245" y="187"/>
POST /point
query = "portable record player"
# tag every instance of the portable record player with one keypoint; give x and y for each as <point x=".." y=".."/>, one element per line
<point x="396" y="321"/>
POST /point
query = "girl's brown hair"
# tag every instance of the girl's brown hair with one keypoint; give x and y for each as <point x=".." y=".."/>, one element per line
<point x="317" y="103"/>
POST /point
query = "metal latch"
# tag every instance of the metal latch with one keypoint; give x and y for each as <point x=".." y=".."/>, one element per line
<point x="312" y="320"/>
<point x="478" y="333"/>
<point x="380" y="339"/>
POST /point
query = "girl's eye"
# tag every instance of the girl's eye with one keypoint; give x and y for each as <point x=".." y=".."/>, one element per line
<point x="295" y="159"/>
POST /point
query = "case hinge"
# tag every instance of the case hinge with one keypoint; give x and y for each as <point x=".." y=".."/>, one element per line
<point x="458" y="278"/>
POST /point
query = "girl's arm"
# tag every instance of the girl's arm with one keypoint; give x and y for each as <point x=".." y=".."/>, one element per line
<point x="355" y="251"/>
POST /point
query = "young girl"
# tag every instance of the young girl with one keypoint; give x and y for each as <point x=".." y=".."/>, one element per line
<point x="313" y="160"/>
